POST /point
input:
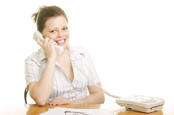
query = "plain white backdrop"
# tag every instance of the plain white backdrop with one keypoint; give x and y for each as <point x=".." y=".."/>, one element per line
<point x="131" y="43"/>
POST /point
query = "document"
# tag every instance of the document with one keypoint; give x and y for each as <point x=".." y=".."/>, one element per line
<point x="70" y="111"/>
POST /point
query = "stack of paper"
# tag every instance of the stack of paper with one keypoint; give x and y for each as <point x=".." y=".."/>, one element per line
<point x="70" y="111"/>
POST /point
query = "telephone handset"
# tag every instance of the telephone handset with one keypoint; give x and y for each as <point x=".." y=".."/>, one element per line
<point x="37" y="34"/>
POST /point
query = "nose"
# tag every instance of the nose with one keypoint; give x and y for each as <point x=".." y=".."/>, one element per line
<point x="59" y="34"/>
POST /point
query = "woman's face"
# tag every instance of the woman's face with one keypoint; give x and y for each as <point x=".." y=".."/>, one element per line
<point x="56" y="28"/>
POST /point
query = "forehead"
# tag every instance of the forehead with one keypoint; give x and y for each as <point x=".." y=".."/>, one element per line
<point x="56" y="22"/>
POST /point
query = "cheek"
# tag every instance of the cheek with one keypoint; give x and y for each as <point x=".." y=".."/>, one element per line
<point x="52" y="36"/>
<point x="67" y="34"/>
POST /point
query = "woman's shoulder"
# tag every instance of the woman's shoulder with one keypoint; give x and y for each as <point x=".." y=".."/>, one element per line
<point x="79" y="50"/>
<point x="34" y="56"/>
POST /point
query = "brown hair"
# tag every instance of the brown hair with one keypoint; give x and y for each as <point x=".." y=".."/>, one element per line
<point x="45" y="13"/>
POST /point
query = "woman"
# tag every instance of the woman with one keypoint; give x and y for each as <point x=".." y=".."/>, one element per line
<point x="69" y="78"/>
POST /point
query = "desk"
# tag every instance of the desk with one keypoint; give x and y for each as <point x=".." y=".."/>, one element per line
<point x="36" y="110"/>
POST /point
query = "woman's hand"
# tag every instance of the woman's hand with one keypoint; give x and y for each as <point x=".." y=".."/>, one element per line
<point x="59" y="101"/>
<point x="49" y="48"/>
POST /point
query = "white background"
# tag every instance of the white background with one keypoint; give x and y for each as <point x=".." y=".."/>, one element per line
<point x="130" y="41"/>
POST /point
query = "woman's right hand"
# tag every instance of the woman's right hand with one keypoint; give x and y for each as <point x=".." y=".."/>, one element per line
<point x="59" y="101"/>
<point x="49" y="48"/>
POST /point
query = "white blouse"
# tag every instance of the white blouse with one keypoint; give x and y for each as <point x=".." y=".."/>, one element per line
<point x="83" y="69"/>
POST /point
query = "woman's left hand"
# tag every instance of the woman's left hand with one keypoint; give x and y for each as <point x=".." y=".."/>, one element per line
<point x="59" y="101"/>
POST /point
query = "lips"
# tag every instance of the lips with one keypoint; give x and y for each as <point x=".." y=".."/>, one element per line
<point x="60" y="41"/>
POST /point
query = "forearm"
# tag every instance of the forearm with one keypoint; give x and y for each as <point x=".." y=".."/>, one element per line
<point x="41" y="91"/>
<point x="96" y="98"/>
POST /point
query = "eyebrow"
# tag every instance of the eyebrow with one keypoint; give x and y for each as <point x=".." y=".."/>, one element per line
<point x="56" y="27"/>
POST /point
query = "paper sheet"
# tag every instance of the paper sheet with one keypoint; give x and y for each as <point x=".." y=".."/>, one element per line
<point x="70" y="111"/>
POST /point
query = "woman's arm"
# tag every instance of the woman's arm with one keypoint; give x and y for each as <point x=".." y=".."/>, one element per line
<point x="40" y="91"/>
<point x="96" y="96"/>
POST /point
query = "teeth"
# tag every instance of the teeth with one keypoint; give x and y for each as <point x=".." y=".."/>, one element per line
<point x="61" y="41"/>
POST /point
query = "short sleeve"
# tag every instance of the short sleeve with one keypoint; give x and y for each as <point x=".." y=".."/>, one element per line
<point x="93" y="78"/>
<point x="31" y="70"/>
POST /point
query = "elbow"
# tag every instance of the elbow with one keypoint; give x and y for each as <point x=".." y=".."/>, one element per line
<point x="40" y="101"/>
<point x="39" y="97"/>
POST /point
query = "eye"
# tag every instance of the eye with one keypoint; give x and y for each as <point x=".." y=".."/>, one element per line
<point x="52" y="31"/>
<point x="65" y="28"/>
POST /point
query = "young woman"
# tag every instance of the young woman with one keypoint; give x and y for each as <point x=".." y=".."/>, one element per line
<point x="69" y="78"/>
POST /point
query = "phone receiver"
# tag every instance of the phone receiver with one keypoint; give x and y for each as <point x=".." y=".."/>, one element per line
<point x="37" y="34"/>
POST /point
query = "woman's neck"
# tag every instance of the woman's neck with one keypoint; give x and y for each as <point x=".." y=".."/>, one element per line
<point x="65" y="54"/>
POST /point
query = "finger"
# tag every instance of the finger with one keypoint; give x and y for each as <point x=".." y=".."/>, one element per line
<point x="63" y="103"/>
<point x="45" y="42"/>
<point x="54" y="103"/>
<point x="51" y="104"/>
<point x="52" y="43"/>
<point x="51" y="101"/>
<point x="49" y="41"/>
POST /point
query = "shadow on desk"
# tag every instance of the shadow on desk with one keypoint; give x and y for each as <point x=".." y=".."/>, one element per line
<point x="139" y="113"/>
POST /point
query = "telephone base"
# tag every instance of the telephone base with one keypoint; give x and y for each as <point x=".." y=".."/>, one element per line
<point x="141" y="109"/>
<point x="146" y="104"/>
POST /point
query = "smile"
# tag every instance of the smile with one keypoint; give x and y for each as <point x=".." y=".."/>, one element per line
<point x="61" y="41"/>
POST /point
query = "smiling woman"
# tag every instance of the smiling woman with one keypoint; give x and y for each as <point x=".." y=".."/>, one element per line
<point x="56" y="79"/>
